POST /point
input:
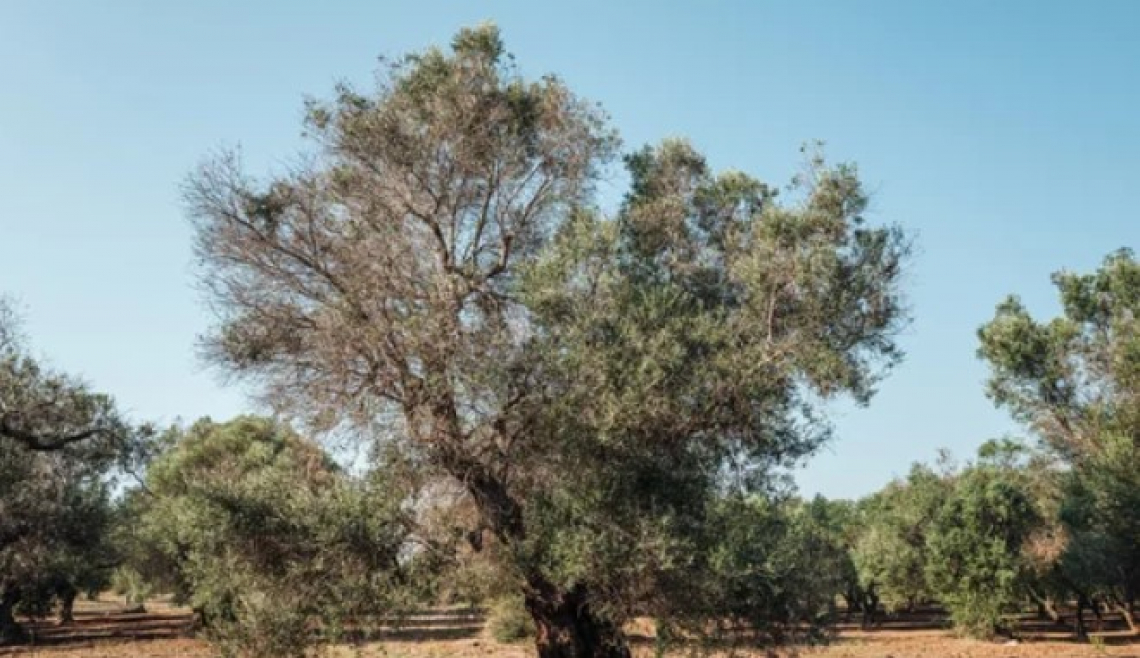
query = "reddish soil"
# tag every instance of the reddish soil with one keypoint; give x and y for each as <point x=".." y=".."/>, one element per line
<point x="102" y="630"/>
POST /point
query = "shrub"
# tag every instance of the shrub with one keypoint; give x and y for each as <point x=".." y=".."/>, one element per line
<point x="264" y="627"/>
<point x="509" y="620"/>
<point x="975" y="559"/>
<point x="131" y="585"/>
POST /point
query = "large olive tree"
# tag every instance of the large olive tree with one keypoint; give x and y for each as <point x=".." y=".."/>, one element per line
<point x="438" y="275"/>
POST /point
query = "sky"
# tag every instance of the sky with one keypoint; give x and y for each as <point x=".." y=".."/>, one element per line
<point x="1003" y="136"/>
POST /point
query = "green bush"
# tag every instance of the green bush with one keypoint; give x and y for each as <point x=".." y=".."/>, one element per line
<point x="273" y="545"/>
<point x="131" y="585"/>
<point x="975" y="561"/>
<point x="262" y="628"/>
<point x="509" y="620"/>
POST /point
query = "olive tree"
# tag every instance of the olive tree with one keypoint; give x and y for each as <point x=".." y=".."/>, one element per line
<point x="890" y="553"/>
<point x="438" y="275"/>
<point x="769" y="569"/>
<point x="976" y="562"/>
<point x="1075" y="382"/>
<point x="58" y="444"/>
<point x="272" y="545"/>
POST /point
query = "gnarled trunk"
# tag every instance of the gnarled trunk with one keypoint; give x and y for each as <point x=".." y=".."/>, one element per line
<point x="567" y="628"/>
<point x="1081" y="631"/>
<point x="67" y="596"/>
<point x="870" y="609"/>
<point x="10" y="631"/>
<point x="1128" y="616"/>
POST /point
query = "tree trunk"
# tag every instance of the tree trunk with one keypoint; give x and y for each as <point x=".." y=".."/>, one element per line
<point x="1129" y="618"/>
<point x="1051" y="610"/>
<point x="566" y="627"/>
<point x="10" y="631"/>
<point x="564" y="624"/>
<point x="1081" y="631"/>
<point x="854" y="603"/>
<point x="67" y="605"/>
<point x="870" y="608"/>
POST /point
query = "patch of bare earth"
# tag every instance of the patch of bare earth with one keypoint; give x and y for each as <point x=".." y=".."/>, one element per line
<point x="103" y="630"/>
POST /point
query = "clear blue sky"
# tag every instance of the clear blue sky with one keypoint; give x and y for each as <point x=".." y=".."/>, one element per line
<point x="1003" y="135"/>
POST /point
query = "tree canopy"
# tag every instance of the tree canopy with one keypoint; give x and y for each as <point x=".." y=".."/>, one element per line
<point x="439" y="276"/>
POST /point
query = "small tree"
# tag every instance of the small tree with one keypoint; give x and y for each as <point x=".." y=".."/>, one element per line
<point x="768" y="568"/>
<point x="133" y="587"/>
<point x="819" y="560"/>
<point x="976" y="564"/>
<point x="1100" y="512"/>
<point x="890" y="554"/>
<point x="439" y="276"/>
<point x="274" y="547"/>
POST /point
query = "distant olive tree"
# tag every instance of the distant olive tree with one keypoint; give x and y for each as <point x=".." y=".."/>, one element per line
<point x="59" y="442"/>
<point x="891" y="553"/>
<point x="272" y="545"/>
<point x="1075" y="382"/>
<point x="438" y="276"/>
<point x="976" y="562"/>
<point x="769" y="569"/>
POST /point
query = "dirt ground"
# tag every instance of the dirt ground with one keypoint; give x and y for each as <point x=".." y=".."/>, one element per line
<point x="102" y="630"/>
<point x="886" y="644"/>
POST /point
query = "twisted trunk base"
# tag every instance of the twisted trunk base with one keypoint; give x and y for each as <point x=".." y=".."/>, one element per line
<point x="1126" y="612"/>
<point x="870" y="611"/>
<point x="566" y="627"/>
<point x="1081" y="631"/>
<point x="10" y="630"/>
<point x="67" y="596"/>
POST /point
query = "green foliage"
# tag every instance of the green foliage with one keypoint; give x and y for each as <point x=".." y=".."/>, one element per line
<point x="1075" y="378"/>
<point x="890" y="554"/>
<point x="976" y="565"/>
<point x="770" y="570"/>
<point x="1075" y="382"/>
<point x="509" y="620"/>
<point x="271" y="544"/>
<point x="662" y="331"/>
<point x="1101" y="509"/>
<point x="59" y="444"/>
<point x="132" y="586"/>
